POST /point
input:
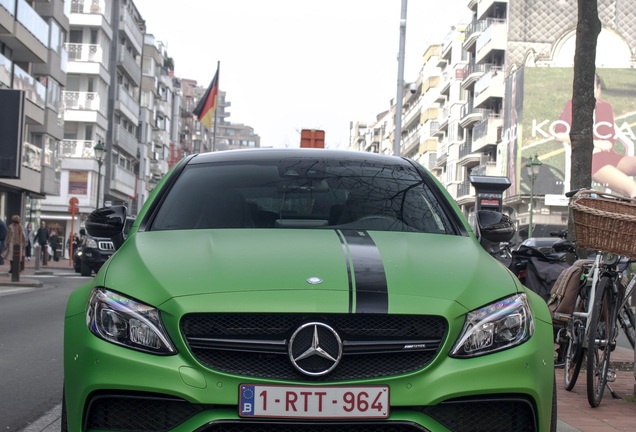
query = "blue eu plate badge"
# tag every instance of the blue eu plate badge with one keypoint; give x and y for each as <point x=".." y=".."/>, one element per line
<point x="247" y="400"/>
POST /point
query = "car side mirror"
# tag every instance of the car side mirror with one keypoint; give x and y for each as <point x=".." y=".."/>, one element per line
<point x="494" y="226"/>
<point x="108" y="222"/>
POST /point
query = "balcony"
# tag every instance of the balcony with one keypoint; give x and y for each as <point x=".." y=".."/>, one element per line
<point x="446" y="81"/>
<point x="484" y="7"/>
<point x="91" y="13"/>
<point x="429" y="114"/>
<point x="410" y="143"/>
<point x="411" y="118"/>
<point x="32" y="157"/>
<point x="473" y="31"/>
<point x="493" y="38"/>
<point x="430" y="81"/>
<point x="158" y="168"/>
<point x="472" y="73"/>
<point x="88" y="7"/>
<point x="125" y="140"/>
<point x="130" y="28"/>
<point x="490" y="85"/>
<point x="24" y="32"/>
<point x="486" y="132"/>
<point x="485" y="169"/>
<point x="85" y="107"/>
<point x="78" y="149"/>
<point x="444" y="118"/>
<point x="87" y="59"/>
<point x="82" y="101"/>
<point x="470" y="115"/>
<point x="127" y="104"/>
<point x="442" y="156"/>
<point x="35" y="93"/>
<point x="160" y="137"/>
<point x="466" y="156"/>
<point x="123" y="181"/>
<point x="465" y="190"/>
<point x="435" y="128"/>
<point x="129" y="65"/>
<point x="6" y="66"/>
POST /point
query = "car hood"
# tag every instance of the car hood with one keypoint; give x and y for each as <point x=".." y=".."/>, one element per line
<point x="358" y="271"/>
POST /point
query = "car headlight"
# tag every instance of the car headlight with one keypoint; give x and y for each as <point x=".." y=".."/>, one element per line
<point x="498" y="326"/>
<point x="91" y="243"/>
<point x="127" y="322"/>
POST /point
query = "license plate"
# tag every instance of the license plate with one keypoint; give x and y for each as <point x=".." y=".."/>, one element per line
<point x="313" y="402"/>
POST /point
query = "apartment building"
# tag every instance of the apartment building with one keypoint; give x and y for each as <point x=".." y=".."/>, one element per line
<point x="101" y="109"/>
<point x="159" y="115"/>
<point x="506" y="79"/>
<point x="33" y="60"/>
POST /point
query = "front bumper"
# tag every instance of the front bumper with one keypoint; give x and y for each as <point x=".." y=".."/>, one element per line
<point x="111" y="387"/>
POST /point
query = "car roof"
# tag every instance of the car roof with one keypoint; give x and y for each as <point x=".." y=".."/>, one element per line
<point x="276" y="153"/>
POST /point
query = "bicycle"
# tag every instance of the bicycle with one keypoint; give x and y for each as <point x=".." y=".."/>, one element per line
<point x="601" y="301"/>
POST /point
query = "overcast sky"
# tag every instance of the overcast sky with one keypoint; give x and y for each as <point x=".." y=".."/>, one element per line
<point x="288" y="65"/>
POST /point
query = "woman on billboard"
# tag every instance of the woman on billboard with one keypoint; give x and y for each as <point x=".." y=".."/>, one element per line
<point x="609" y="168"/>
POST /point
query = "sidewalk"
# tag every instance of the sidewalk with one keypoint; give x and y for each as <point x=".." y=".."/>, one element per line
<point x="26" y="279"/>
<point x="575" y="413"/>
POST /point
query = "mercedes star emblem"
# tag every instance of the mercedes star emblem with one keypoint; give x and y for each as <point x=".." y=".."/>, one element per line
<point x="315" y="349"/>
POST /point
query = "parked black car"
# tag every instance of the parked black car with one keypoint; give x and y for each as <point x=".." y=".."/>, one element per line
<point x="92" y="254"/>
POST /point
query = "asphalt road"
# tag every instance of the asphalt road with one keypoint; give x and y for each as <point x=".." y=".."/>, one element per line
<point x="31" y="323"/>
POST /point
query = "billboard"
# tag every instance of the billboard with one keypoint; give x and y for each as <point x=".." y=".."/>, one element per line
<point x="11" y="132"/>
<point x="540" y="125"/>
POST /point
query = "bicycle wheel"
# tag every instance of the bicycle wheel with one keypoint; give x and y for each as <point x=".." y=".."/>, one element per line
<point x="601" y="336"/>
<point x="573" y="354"/>
<point x="626" y="318"/>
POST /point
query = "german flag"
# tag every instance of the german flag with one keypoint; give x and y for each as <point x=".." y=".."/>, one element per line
<point x="207" y="105"/>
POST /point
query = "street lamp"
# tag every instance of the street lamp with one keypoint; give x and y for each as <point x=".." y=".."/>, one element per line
<point x="533" y="166"/>
<point x="99" y="157"/>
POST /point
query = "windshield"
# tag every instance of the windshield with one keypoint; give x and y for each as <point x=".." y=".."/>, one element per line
<point x="299" y="193"/>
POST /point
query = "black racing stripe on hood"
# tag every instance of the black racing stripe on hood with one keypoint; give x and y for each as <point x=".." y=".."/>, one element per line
<point x="348" y="264"/>
<point x="368" y="270"/>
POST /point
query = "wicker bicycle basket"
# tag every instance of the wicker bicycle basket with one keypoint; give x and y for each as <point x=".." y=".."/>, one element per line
<point x="605" y="222"/>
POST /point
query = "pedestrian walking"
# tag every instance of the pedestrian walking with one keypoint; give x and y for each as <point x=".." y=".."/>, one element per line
<point x="15" y="236"/>
<point x="30" y="240"/>
<point x="3" y="237"/>
<point x="42" y="238"/>
<point x="54" y="242"/>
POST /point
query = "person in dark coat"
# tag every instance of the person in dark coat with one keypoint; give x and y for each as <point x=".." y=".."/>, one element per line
<point x="42" y="237"/>
<point x="54" y="241"/>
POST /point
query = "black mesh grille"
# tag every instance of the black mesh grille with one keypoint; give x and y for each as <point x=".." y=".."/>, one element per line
<point x="485" y="415"/>
<point x="274" y="363"/>
<point x="312" y="427"/>
<point x="138" y="413"/>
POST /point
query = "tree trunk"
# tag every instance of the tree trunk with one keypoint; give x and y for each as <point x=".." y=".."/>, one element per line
<point x="583" y="101"/>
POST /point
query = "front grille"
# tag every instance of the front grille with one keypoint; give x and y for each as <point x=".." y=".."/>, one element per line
<point x="253" y="426"/>
<point x="137" y="412"/>
<point x="489" y="414"/>
<point x="106" y="245"/>
<point x="256" y="344"/>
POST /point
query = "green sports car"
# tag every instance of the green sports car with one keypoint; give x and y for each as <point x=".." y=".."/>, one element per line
<point x="305" y="290"/>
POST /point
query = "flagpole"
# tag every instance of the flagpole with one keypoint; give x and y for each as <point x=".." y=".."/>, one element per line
<point x="216" y="106"/>
<point x="400" y="83"/>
